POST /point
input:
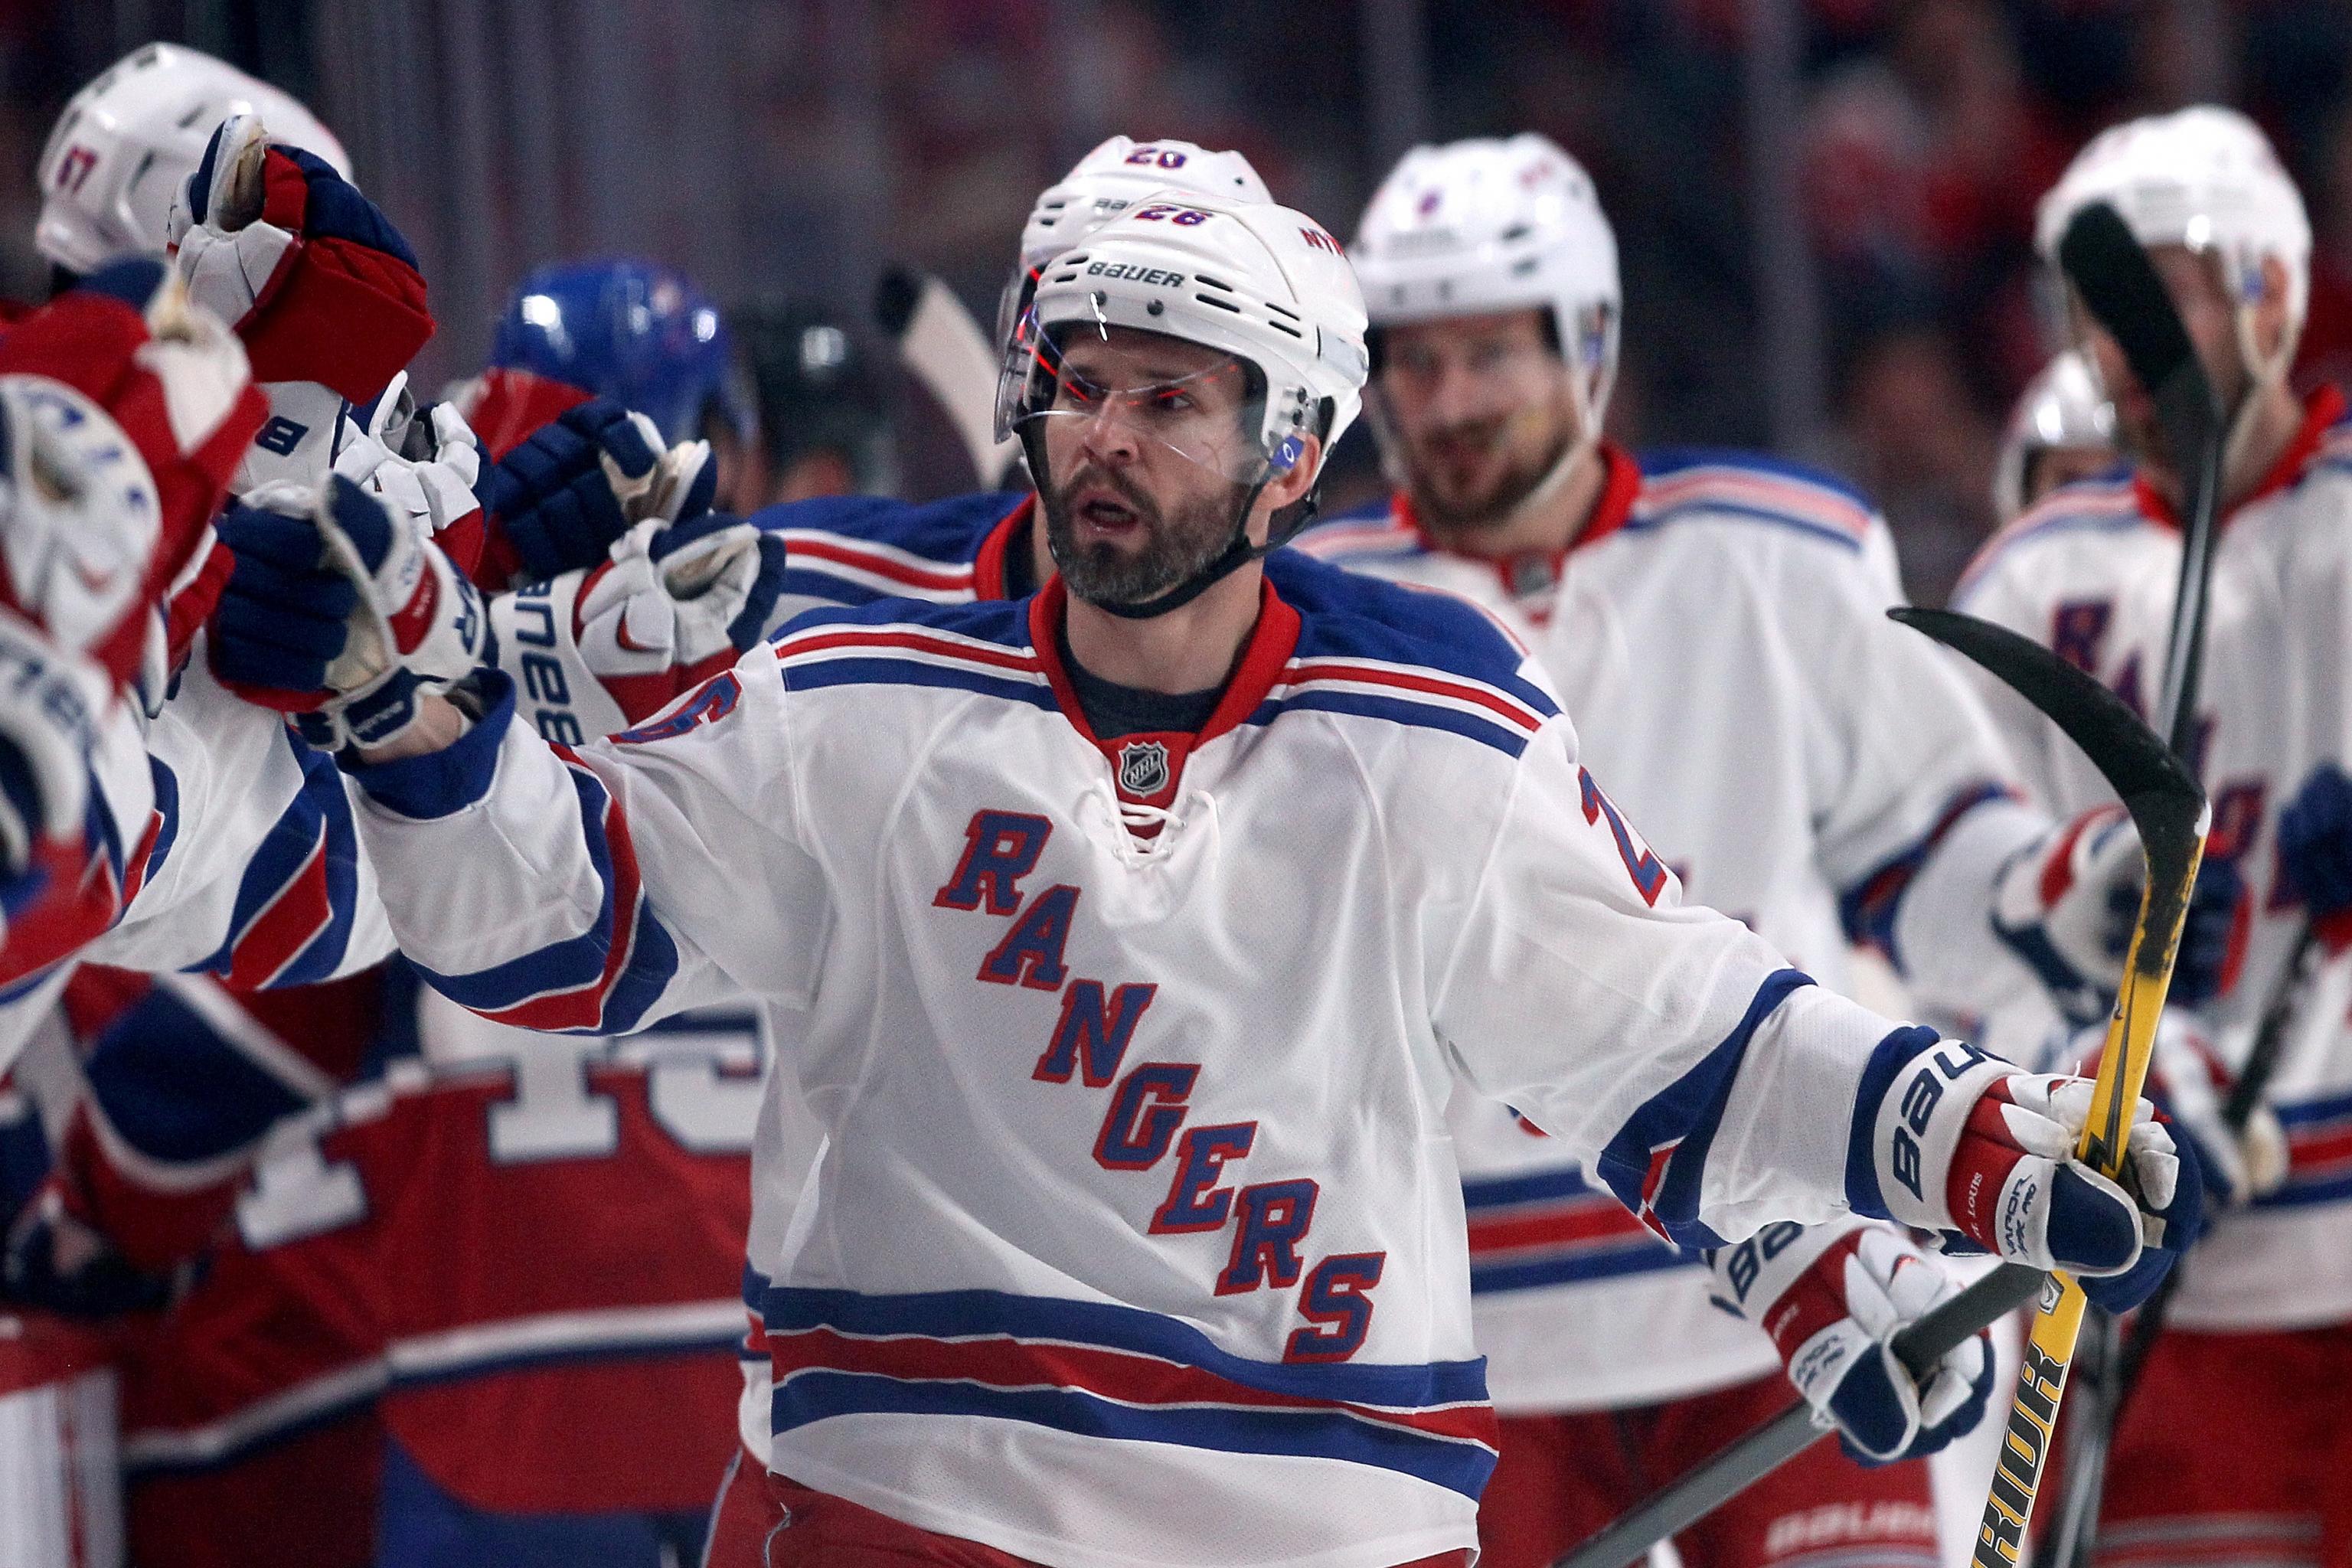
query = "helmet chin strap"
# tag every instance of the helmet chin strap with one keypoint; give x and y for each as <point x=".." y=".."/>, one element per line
<point x="2263" y="372"/>
<point x="1237" y="553"/>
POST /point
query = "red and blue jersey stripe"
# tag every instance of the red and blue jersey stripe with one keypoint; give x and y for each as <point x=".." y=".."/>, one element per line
<point x="2319" y="1152"/>
<point x="1554" y="1227"/>
<point x="296" y="903"/>
<point x="1106" y="1371"/>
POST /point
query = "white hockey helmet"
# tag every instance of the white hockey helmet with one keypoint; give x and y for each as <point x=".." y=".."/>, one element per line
<point x="2206" y="178"/>
<point x="129" y="138"/>
<point x="1485" y="226"/>
<point x="2063" y="408"/>
<point x="1266" y="285"/>
<point x="1103" y="184"/>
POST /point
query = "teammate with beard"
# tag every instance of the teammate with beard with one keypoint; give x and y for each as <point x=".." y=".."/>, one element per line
<point x="1715" y="622"/>
<point x="2259" y="1341"/>
<point x="1083" y="1282"/>
<point x="986" y="547"/>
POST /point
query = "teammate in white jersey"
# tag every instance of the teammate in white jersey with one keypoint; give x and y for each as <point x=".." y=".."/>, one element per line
<point x="2234" y="1446"/>
<point x="1715" y="622"/>
<point x="1136" y="1237"/>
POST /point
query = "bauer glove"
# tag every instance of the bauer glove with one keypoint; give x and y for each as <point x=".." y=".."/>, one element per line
<point x="595" y="652"/>
<point x="319" y="286"/>
<point x="1982" y="1154"/>
<point x="423" y="463"/>
<point x="565" y="496"/>
<point x="2188" y="1081"/>
<point x="2315" y="845"/>
<point x="1833" y="1297"/>
<point x="2066" y="905"/>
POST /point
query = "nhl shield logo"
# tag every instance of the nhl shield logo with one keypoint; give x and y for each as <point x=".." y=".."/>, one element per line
<point x="1143" y="768"/>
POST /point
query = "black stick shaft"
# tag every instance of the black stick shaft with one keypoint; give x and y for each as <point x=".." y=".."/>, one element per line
<point x="1732" y="1470"/>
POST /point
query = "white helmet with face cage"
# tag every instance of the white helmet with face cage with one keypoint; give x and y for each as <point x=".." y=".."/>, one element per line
<point x="132" y="137"/>
<point x="1265" y="285"/>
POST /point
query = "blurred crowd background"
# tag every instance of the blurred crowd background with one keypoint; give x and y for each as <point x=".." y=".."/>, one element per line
<point x="1825" y="206"/>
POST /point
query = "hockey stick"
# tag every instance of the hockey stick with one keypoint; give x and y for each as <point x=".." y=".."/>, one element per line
<point x="1733" y="1469"/>
<point x="945" y="350"/>
<point x="2237" y="1110"/>
<point x="2111" y="274"/>
<point x="2169" y="812"/>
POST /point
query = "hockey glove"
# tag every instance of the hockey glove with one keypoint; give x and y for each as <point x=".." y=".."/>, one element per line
<point x="319" y="284"/>
<point x="562" y="498"/>
<point x="2315" y="846"/>
<point x="425" y="465"/>
<point x="127" y="413"/>
<point x="1833" y="1297"/>
<point x="2188" y="1081"/>
<point x="595" y="652"/>
<point x="2066" y="905"/>
<point x="54" y="1258"/>
<point x="342" y="615"/>
<point x="49" y="701"/>
<point x="1983" y="1154"/>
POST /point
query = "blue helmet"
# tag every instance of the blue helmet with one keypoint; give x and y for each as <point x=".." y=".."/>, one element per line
<point x="636" y="333"/>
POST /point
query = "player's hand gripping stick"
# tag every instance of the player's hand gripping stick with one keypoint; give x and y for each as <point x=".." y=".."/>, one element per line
<point x="2170" y="813"/>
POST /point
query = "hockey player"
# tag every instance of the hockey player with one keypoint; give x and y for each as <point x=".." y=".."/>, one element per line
<point x="1287" y="790"/>
<point x="983" y="547"/>
<point x="2062" y="430"/>
<point x="1715" y="624"/>
<point x="263" y="888"/>
<point x="2233" y="1444"/>
<point x="128" y="140"/>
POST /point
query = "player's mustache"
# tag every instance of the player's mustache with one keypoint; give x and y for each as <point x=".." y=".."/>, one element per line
<point x="1128" y="491"/>
<point x="1484" y="432"/>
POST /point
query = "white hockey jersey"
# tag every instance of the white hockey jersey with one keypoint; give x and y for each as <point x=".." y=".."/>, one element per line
<point x="1717" y="634"/>
<point x="1134" y="1157"/>
<point x="2092" y="573"/>
<point x="221" y="844"/>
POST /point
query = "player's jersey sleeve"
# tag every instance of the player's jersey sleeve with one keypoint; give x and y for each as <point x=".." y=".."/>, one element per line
<point x="597" y="890"/>
<point x="1919" y="808"/>
<point x="254" y="871"/>
<point x="1669" y="1047"/>
<point x="2315" y="593"/>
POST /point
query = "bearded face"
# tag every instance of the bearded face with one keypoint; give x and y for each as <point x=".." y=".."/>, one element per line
<point x="1144" y="447"/>
<point x="1115" y="544"/>
<point x="1481" y="410"/>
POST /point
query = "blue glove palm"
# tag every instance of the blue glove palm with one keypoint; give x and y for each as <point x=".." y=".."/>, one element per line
<point x="2314" y="840"/>
<point x="559" y="502"/>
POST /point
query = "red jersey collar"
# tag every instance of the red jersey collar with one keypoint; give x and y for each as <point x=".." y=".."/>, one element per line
<point x="2321" y="409"/>
<point x="988" y="566"/>
<point x="1620" y="483"/>
<point x="1264" y="657"/>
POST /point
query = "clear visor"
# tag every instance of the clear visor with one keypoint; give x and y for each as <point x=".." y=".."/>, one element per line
<point x="1429" y="379"/>
<point x="1011" y="317"/>
<point x="1082" y="388"/>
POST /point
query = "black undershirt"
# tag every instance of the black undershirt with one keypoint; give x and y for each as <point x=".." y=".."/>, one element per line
<point x="1113" y="710"/>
